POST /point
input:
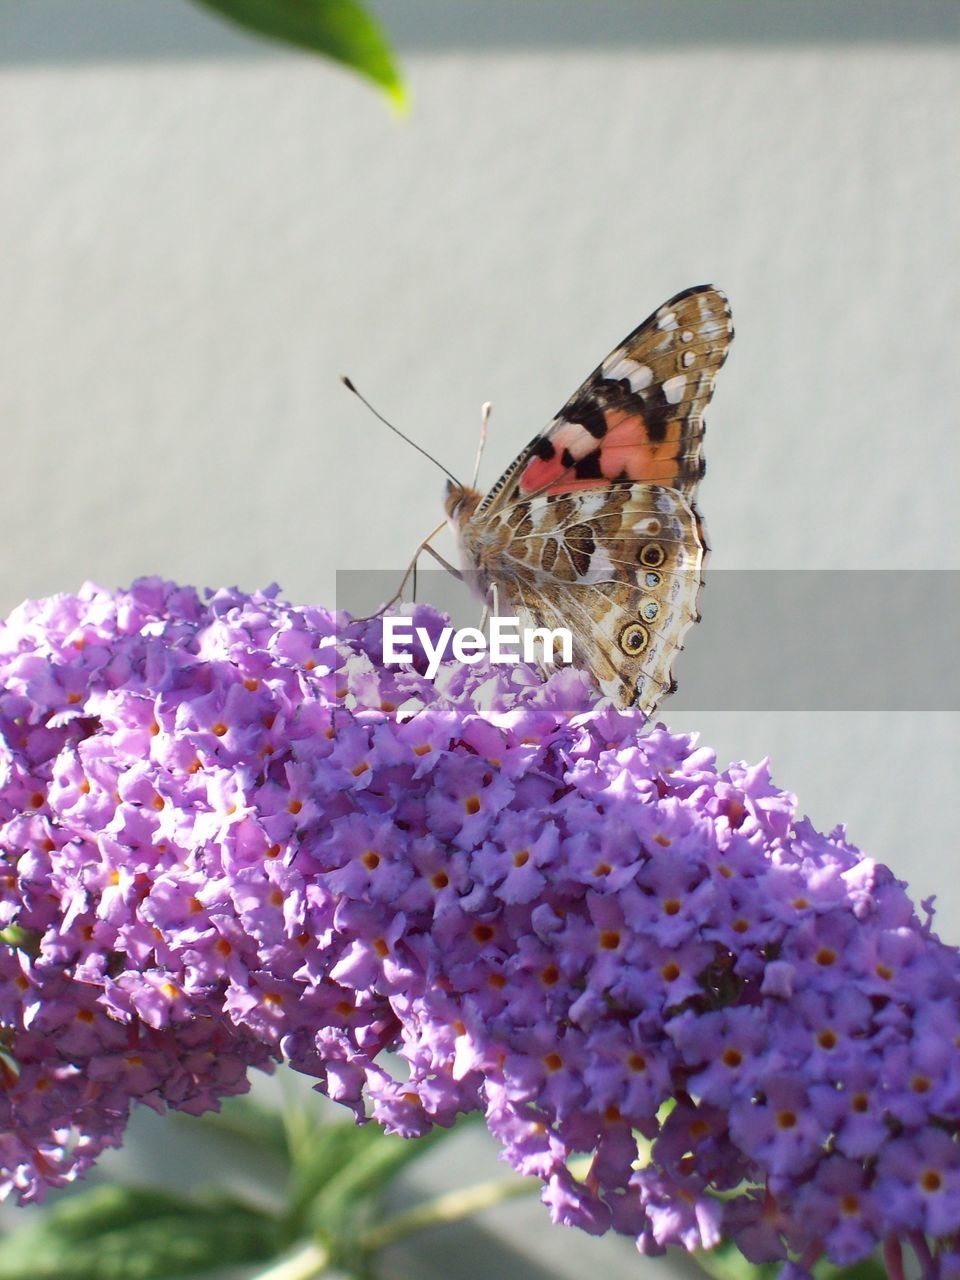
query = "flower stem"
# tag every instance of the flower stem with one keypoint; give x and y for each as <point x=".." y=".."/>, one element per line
<point x="455" y="1205"/>
<point x="312" y="1259"/>
<point x="309" y="1261"/>
<point x="928" y="1263"/>
<point x="893" y="1258"/>
<point x="451" y="1207"/>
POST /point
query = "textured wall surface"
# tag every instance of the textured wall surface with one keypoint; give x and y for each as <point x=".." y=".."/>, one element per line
<point x="200" y="234"/>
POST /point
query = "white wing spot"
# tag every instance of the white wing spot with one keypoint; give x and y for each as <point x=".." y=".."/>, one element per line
<point x="687" y="335"/>
<point x="647" y="524"/>
<point x="673" y="389"/>
<point x="687" y="359"/>
<point x="667" y="321"/>
<point x="572" y="436"/>
<point x="619" y="366"/>
<point x="591" y="504"/>
<point x="601" y="568"/>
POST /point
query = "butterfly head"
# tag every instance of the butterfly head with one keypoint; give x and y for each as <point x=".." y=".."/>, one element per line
<point x="460" y="503"/>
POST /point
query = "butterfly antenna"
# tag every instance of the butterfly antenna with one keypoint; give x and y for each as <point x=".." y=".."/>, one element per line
<point x="396" y="430"/>
<point x="484" y="419"/>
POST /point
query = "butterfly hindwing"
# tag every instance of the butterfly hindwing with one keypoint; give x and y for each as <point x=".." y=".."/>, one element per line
<point x="621" y="570"/>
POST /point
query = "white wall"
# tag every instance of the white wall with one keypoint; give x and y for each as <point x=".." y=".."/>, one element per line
<point x="195" y="245"/>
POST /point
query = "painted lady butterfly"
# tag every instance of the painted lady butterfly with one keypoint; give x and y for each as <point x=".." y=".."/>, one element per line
<point x="594" y="527"/>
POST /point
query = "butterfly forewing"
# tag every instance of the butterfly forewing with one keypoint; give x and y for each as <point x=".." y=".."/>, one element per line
<point x="639" y="415"/>
<point x="594" y="527"/>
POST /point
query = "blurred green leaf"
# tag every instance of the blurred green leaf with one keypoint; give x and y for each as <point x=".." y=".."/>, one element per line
<point x="340" y="1171"/>
<point x="868" y="1269"/>
<point x="339" y="29"/>
<point x="14" y="935"/>
<point x="726" y="1262"/>
<point x="366" y="1176"/>
<point x="254" y="1124"/>
<point x="319" y="1154"/>
<point x="132" y="1233"/>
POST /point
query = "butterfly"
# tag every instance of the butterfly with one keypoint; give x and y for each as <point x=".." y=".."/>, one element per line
<point x="594" y="527"/>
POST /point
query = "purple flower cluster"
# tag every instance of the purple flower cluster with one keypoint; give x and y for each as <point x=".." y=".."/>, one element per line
<point x="231" y="836"/>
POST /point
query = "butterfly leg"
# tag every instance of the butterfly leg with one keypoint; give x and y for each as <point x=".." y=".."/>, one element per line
<point x="411" y="570"/>
<point x="440" y="560"/>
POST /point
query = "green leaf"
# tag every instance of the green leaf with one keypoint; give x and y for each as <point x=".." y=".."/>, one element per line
<point x="14" y="935"/>
<point x="340" y="1171"/>
<point x="339" y="29"/>
<point x="320" y="1153"/>
<point x="867" y="1269"/>
<point x="137" y="1233"/>
<point x="726" y="1262"/>
<point x="251" y="1122"/>
<point x="353" y="1194"/>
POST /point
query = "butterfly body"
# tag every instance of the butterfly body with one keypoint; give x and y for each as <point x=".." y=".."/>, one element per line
<point x="594" y="527"/>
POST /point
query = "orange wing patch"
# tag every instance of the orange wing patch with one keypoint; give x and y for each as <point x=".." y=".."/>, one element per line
<point x="571" y="457"/>
<point x="638" y="418"/>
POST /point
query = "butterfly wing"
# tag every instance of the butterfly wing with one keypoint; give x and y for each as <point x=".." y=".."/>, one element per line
<point x="594" y="526"/>
<point x="620" y="569"/>
<point x="639" y="415"/>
